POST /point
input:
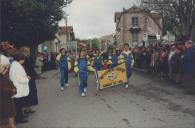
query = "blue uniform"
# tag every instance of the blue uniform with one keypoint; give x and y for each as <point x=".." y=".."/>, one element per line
<point x="63" y="65"/>
<point x="97" y="64"/>
<point x="114" y="60"/>
<point x="83" y="73"/>
<point x="188" y="62"/>
<point x="128" y="62"/>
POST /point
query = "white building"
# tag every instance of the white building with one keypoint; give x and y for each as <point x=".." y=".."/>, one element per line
<point x="64" y="39"/>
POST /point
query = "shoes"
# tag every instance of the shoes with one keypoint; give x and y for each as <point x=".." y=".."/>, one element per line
<point x="32" y="111"/>
<point x="22" y="121"/>
<point x="25" y="115"/>
<point x="85" y="90"/>
<point x="83" y="94"/>
<point x="66" y="85"/>
<point x="126" y="86"/>
<point x="29" y="112"/>
<point x="62" y="88"/>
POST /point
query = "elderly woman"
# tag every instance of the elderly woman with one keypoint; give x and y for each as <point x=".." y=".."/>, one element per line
<point x="20" y="80"/>
<point x="7" y="90"/>
<point x="32" y="98"/>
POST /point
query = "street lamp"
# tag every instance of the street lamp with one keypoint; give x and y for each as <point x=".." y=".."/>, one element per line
<point x="56" y="43"/>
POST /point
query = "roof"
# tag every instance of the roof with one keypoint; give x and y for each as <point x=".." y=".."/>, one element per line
<point x="156" y="15"/>
<point x="135" y="9"/>
<point x="117" y="15"/>
<point x="65" y="29"/>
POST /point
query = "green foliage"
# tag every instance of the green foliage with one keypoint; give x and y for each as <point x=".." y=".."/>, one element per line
<point x="30" y="22"/>
<point x="95" y="43"/>
<point x="178" y="15"/>
<point x="170" y="25"/>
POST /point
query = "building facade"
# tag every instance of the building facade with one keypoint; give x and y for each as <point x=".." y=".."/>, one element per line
<point x="65" y="38"/>
<point x="137" y="26"/>
<point x="106" y="41"/>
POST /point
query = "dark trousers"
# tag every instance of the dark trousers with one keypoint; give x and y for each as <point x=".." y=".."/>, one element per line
<point x="189" y="81"/>
<point x="19" y="106"/>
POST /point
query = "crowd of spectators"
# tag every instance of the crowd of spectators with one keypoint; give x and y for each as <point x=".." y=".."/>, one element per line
<point x="18" y="92"/>
<point x="175" y="62"/>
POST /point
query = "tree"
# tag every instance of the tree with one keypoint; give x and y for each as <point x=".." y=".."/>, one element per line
<point x="30" y="22"/>
<point x="179" y="15"/>
<point x="95" y="43"/>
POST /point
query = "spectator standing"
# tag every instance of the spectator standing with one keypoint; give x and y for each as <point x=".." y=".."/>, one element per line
<point x="188" y="66"/>
<point x="176" y="60"/>
<point x="7" y="90"/>
<point x="163" y="63"/>
<point x="171" y="53"/>
<point x="154" y="59"/>
<point x="32" y="98"/>
<point x="20" y="80"/>
<point x="39" y="63"/>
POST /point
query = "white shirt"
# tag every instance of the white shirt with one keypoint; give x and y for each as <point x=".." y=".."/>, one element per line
<point x="20" y="80"/>
<point x="170" y="55"/>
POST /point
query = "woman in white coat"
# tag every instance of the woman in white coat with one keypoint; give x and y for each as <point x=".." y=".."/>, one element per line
<point x="20" y="80"/>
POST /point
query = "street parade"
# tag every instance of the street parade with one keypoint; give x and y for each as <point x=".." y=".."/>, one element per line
<point x="136" y="73"/>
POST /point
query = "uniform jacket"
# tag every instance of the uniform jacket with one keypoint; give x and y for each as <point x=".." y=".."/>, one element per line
<point x="82" y="65"/>
<point x="63" y="62"/>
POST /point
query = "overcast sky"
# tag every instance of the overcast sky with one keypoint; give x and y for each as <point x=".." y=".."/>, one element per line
<point x="94" y="18"/>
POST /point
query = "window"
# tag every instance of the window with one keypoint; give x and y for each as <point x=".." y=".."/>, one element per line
<point x="135" y="37"/>
<point x="135" y="21"/>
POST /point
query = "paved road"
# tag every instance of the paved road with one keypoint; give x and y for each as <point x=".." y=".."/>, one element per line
<point x="148" y="103"/>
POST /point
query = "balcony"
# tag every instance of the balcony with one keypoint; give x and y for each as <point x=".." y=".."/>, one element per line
<point x="135" y="28"/>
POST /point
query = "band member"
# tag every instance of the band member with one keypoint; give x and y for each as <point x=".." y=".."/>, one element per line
<point x="114" y="59"/>
<point x="97" y="63"/>
<point x="81" y="67"/>
<point x="127" y="57"/>
<point x="64" y="67"/>
<point x="105" y="64"/>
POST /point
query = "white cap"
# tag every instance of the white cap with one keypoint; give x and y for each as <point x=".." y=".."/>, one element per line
<point x="4" y="60"/>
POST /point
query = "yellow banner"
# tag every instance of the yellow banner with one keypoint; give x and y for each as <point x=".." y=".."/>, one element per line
<point x="112" y="77"/>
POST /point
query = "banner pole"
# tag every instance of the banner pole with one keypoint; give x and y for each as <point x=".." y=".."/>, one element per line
<point x="97" y="89"/>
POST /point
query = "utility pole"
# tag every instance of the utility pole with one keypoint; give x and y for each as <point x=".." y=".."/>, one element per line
<point x="66" y="19"/>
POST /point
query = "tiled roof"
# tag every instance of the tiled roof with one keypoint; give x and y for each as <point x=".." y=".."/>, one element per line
<point x="65" y="29"/>
<point x="156" y="15"/>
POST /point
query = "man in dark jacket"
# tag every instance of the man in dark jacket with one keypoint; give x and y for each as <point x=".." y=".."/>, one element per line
<point x="188" y="66"/>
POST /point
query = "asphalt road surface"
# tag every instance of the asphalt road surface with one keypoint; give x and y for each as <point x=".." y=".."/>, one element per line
<point x="148" y="103"/>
